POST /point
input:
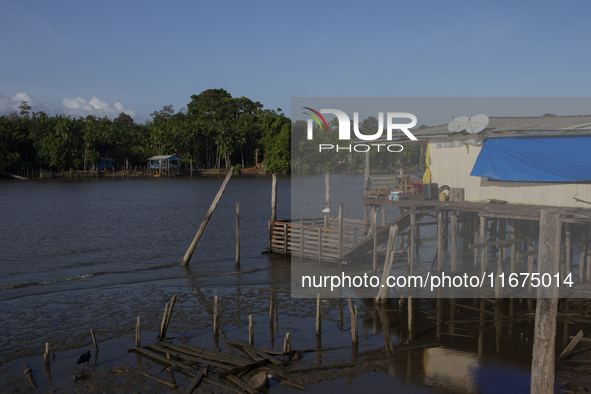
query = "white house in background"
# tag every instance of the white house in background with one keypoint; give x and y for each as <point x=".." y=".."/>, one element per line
<point x="542" y="160"/>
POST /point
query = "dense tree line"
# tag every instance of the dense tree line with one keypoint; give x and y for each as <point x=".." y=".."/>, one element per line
<point x="307" y="159"/>
<point x="215" y="131"/>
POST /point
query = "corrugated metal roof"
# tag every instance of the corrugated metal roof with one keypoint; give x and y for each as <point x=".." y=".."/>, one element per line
<point x="548" y="125"/>
<point x="165" y="157"/>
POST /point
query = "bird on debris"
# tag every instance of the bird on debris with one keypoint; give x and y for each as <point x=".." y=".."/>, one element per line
<point x="85" y="357"/>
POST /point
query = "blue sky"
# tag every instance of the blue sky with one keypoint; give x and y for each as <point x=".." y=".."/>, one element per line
<point x="138" y="56"/>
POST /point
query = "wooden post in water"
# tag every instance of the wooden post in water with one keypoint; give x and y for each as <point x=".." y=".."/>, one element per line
<point x="216" y="316"/>
<point x="138" y="333"/>
<point x="238" y="235"/>
<point x="274" y="198"/>
<point x="96" y="348"/>
<point x="287" y="348"/>
<point x="318" y="314"/>
<point x="251" y="330"/>
<point x="160" y="336"/>
<point x="46" y="355"/>
<point x="212" y="208"/>
<point x="271" y="307"/>
<point x="439" y="241"/>
<point x="327" y="214"/>
<point x="543" y="369"/>
<point x="454" y="252"/>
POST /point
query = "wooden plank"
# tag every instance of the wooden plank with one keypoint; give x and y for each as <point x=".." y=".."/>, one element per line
<point x="212" y="208"/>
<point x="402" y="221"/>
<point x="187" y="356"/>
<point x="570" y="346"/>
<point x="496" y="243"/>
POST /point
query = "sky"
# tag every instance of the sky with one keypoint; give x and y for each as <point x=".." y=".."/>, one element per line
<point x="108" y="57"/>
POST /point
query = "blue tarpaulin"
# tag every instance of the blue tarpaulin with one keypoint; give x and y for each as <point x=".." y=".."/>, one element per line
<point x="535" y="159"/>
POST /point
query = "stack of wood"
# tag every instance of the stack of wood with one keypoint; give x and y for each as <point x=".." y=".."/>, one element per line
<point x="218" y="368"/>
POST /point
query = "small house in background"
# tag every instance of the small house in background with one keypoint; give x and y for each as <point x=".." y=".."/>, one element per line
<point x="104" y="163"/>
<point x="164" y="165"/>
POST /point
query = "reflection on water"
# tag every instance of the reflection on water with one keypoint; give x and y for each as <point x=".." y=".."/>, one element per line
<point x="84" y="254"/>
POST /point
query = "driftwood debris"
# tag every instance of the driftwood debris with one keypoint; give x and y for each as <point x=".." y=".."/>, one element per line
<point x="199" y="360"/>
<point x="29" y="374"/>
<point x="157" y="379"/>
<point x="242" y="384"/>
<point x="244" y="368"/>
<point x="197" y="380"/>
<point x="222" y="385"/>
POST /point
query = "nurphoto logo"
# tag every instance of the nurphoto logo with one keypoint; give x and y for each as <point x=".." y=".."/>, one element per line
<point x="345" y="129"/>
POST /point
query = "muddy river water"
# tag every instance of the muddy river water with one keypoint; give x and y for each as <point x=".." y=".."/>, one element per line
<point x="95" y="254"/>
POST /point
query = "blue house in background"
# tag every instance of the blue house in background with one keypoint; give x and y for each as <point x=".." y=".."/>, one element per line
<point x="164" y="165"/>
<point x="104" y="163"/>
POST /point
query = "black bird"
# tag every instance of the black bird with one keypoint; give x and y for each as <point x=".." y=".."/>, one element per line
<point x="84" y="358"/>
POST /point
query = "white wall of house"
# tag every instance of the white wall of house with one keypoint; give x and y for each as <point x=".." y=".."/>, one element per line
<point x="452" y="167"/>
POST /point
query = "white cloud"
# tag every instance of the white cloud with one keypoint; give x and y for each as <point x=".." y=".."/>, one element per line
<point x="8" y="105"/>
<point x="70" y="106"/>
<point x="81" y="107"/>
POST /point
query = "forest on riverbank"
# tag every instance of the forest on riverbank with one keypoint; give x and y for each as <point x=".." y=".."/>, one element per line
<point x="215" y="130"/>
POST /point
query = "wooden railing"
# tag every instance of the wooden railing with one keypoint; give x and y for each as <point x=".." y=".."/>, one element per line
<point x="311" y="239"/>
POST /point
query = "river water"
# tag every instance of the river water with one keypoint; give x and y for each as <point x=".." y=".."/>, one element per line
<point x="81" y="254"/>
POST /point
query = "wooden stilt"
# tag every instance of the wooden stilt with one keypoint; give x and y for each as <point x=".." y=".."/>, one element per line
<point x="484" y="250"/>
<point x="520" y="247"/>
<point x="454" y="253"/>
<point x="568" y="261"/>
<point x="445" y="230"/>
<point x="327" y="186"/>
<point x="512" y="236"/>
<point x="588" y="255"/>
<point x="439" y="241"/>
<point x="530" y="259"/>
<point x="411" y="249"/>
<point x="410" y="335"/>
<point x="374" y="229"/>
<point x="543" y="369"/>
<point x="340" y="245"/>
<point x="476" y="220"/>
